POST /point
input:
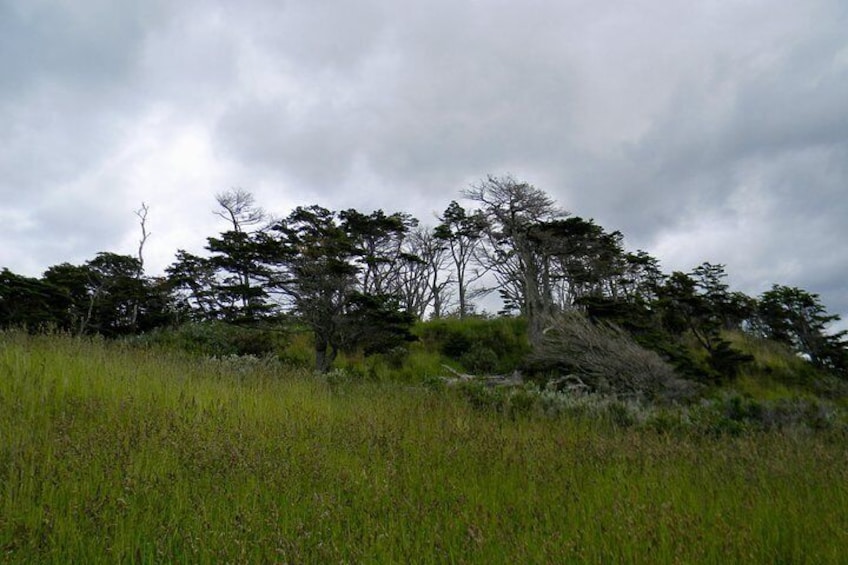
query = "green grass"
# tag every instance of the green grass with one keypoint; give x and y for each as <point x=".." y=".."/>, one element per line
<point x="112" y="454"/>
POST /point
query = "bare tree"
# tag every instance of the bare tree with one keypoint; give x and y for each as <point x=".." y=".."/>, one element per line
<point x="141" y="213"/>
<point x="512" y="209"/>
<point x="238" y="207"/>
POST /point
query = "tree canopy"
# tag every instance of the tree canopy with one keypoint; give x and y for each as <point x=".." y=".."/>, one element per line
<point x="358" y="280"/>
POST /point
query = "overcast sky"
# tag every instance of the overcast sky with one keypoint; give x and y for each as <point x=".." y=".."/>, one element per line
<point x="703" y="130"/>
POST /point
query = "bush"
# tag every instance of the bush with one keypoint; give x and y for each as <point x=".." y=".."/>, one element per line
<point x="487" y="345"/>
<point x="733" y="414"/>
<point x="607" y="360"/>
<point x="480" y="359"/>
<point x="218" y="339"/>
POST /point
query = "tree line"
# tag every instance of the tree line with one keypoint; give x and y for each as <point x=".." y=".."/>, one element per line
<point x="360" y="280"/>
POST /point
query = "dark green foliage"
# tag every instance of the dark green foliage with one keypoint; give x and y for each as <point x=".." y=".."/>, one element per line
<point x="192" y="282"/>
<point x="316" y="273"/>
<point x="688" y="306"/>
<point x="375" y="324"/>
<point x="377" y="246"/>
<point x="107" y="295"/>
<point x="73" y="282"/>
<point x="683" y="322"/>
<point x="120" y="301"/>
<point x="325" y="263"/>
<point x="242" y="257"/>
<point x="797" y="318"/>
<point x="219" y="339"/>
<point x="635" y="315"/>
<point x="28" y="302"/>
<point x="582" y="257"/>
<point x="500" y="344"/>
<point x="480" y="359"/>
<point x="353" y="282"/>
<point x="725" y="360"/>
<point x="454" y="344"/>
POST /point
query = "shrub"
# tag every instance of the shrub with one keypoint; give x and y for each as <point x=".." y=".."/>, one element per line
<point x="607" y="360"/>
<point x="480" y="359"/>
<point x="217" y="339"/>
<point x="468" y="340"/>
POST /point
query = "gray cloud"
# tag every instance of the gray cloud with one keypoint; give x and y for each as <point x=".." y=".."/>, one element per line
<point x="703" y="131"/>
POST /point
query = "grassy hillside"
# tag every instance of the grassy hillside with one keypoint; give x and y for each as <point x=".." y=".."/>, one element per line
<point x="110" y="453"/>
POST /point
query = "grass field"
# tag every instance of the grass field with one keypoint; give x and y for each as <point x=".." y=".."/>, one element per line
<point x="110" y="454"/>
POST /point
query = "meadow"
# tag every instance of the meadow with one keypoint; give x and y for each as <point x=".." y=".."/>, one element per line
<point x="112" y="453"/>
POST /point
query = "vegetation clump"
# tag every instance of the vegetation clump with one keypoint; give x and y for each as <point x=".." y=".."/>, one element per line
<point x="607" y="360"/>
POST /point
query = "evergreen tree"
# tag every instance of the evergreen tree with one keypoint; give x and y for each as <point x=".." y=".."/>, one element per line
<point x="797" y="318"/>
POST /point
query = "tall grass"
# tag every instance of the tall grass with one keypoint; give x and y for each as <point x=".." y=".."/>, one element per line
<point x="115" y="454"/>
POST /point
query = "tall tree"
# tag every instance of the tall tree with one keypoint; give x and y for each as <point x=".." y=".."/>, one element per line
<point x="733" y="309"/>
<point x="235" y="250"/>
<point x="114" y="291"/>
<point x="379" y="242"/>
<point x="579" y="260"/>
<point x="686" y="310"/>
<point x="193" y="281"/>
<point x="316" y="274"/>
<point x="79" y="296"/>
<point x="512" y="209"/>
<point x="798" y="318"/>
<point x="240" y="259"/>
<point x="462" y="233"/>
<point x="426" y="277"/>
<point x="27" y="302"/>
<point x="318" y="266"/>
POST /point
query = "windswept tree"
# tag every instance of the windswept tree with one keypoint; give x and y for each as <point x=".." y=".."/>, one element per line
<point x="687" y="308"/>
<point x="192" y="280"/>
<point x="732" y="309"/>
<point x="106" y="296"/>
<point x="75" y="309"/>
<point x="797" y="318"/>
<point x="316" y="274"/>
<point x="115" y="294"/>
<point x="238" y="207"/>
<point x="317" y="267"/>
<point x="28" y="302"/>
<point x="238" y="253"/>
<point x="579" y="260"/>
<point x="642" y="277"/>
<point x="241" y="262"/>
<point x="512" y="209"/>
<point x="462" y="234"/>
<point x="380" y="253"/>
<point x="428" y="279"/>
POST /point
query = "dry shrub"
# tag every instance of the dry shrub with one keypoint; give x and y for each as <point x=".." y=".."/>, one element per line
<point x="607" y="360"/>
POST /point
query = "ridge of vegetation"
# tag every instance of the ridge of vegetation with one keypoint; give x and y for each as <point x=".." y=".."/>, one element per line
<point x="358" y="282"/>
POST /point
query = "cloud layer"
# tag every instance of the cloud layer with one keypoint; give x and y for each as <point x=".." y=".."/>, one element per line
<point x="702" y="130"/>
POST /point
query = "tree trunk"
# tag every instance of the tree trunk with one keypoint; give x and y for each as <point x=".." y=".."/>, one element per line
<point x="325" y="354"/>
<point x="535" y="303"/>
